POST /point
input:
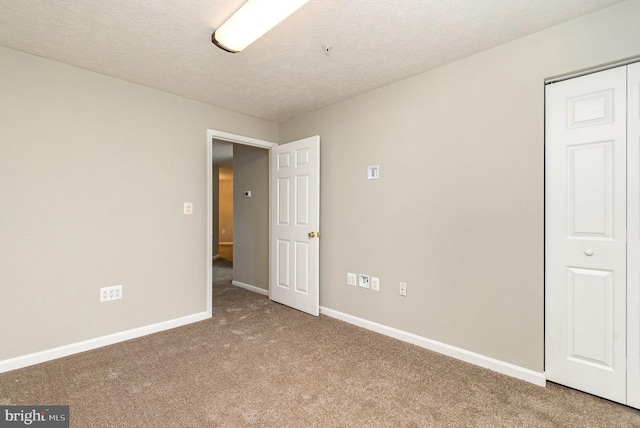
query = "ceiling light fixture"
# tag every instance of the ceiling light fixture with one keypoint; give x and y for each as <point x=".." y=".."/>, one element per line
<point x="251" y="21"/>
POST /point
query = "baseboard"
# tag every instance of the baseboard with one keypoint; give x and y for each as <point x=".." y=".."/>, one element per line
<point x="502" y="367"/>
<point x="225" y="243"/>
<point x="87" y="345"/>
<point x="251" y="288"/>
<point x="216" y="257"/>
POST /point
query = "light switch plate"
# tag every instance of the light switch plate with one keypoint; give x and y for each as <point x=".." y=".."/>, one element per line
<point x="373" y="172"/>
<point x="403" y="289"/>
<point x="351" y="278"/>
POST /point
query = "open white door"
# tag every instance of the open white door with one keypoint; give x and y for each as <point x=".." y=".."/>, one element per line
<point x="295" y="225"/>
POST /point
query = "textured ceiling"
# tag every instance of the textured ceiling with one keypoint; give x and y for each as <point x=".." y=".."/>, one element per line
<point x="167" y="44"/>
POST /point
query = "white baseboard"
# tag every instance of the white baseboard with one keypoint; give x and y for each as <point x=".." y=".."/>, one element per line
<point x="251" y="288"/>
<point x="87" y="345"/>
<point x="225" y="243"/>
<point x="508" y="369"/>
<point x="216" y="257"/>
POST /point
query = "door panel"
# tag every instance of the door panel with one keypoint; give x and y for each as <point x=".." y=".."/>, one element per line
<point x="302" y="201"/>
<point x="585" y="273"/>
<point x="633" y="235"/>
<point x="283" y="201"/>
<point x="282" y="263"/>
<point x="590" y="181"/>
<point x="295" y="175"/>
<point x="590" y="317"/>
<point x="591" y="109"/>
<point x="302" y="267"/>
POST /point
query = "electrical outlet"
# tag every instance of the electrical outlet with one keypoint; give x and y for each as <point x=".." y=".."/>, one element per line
<point x="110" y="293"/>
<point x="364" y="281"/>
<point x="188" y="208"/>
<point x="403" y="289"/>
<point x="351" y="278"/>
<point x="375" y="283"/>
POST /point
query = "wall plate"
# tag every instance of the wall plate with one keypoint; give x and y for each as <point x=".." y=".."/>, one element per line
<point x="111" y="293"/>
<point x="373" y="172"/>
<point x="364" y="281"/>
<point x="351" y="278"/>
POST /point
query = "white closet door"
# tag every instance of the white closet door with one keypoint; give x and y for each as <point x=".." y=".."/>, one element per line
<point x="585" y="297"/>
<point x="633" y="235"/>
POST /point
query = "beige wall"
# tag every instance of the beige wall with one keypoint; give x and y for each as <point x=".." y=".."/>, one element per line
<point x="251" y="216"/>
<point x="94" y="172"/>
<point x="226" y="205"/>
<point x="458" y="212"/>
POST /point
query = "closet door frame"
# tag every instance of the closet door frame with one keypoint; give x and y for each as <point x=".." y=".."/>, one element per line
<point x="633" y="235"/>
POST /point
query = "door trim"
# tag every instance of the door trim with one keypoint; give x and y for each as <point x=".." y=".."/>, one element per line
<point x="231" y="138"/>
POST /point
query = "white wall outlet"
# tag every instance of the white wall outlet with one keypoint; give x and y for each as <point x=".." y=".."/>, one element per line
<point x="188" y="208"/>
<point x="375" y="283"/>
<point x="403" y="289"/>
<point x="364" y="281"/>
<point x="351" y="278"/>
<point x="111" y="293"/>
<point x="373" y="172"/>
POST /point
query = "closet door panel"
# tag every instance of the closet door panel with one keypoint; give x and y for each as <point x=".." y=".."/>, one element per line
<point x="585" y="273"/>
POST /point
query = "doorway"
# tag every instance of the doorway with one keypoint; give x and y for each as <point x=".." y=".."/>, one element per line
<point x="242" y="218"/>
<point x="239" y="255"/>
<point x="291" y="193"/>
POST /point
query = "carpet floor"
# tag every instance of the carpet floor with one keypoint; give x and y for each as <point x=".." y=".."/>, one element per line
<point x="257" y="363"/>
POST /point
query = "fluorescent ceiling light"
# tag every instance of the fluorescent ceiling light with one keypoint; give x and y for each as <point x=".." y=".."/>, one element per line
<point x="251" y="21"/>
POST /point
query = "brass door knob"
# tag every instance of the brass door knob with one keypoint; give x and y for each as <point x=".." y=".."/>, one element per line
<point x="312" y="234"/>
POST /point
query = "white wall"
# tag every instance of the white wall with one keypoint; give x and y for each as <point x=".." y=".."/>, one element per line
<point x="94" y="172"/>
<point x="458" y="212"/>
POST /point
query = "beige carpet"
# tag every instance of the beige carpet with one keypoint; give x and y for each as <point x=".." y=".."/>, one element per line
<point x="257" y="363"/>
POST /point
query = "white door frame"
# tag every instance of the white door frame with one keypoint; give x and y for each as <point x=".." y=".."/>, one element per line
<point x="232" y="138"/>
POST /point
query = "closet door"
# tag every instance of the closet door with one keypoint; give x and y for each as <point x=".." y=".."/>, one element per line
<point x="633" y="235"/>
<point x="585" y="272"/>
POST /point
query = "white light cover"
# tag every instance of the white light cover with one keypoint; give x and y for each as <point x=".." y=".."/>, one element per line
<point x="252" y="20"/>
